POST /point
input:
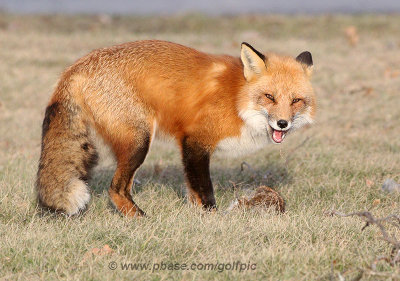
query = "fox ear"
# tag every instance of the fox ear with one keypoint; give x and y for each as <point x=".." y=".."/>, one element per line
<point x="306" y="61"/>
<point x="253" y="61"/>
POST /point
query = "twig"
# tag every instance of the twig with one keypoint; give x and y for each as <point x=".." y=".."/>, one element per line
<point x="255" y="174"/>
<point x="234" y="188"/>
<point x="369" y="219"/>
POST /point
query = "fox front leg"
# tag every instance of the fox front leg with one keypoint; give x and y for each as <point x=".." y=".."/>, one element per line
<point x="196" y="162"/>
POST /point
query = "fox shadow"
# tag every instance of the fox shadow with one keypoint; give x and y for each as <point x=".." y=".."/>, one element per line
<point x="225" y="179"/>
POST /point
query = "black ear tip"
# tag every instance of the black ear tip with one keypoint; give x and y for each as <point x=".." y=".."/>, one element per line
<point x="306" y="58"/>
<point x="254" y="50"/>
<point x="246" y="44"/>
<point x="307" y="53"/>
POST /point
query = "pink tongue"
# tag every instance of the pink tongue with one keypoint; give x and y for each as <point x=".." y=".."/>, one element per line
<point x="277" y="136"/>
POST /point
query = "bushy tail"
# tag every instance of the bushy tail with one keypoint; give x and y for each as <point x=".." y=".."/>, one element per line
<point x="66" y="159"/>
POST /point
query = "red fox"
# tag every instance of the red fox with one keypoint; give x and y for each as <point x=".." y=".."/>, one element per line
<point x="128" y="94"/>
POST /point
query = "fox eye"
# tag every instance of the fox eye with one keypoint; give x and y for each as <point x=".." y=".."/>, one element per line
<point x="270" y="97"/>
<point x="295" y="100"/>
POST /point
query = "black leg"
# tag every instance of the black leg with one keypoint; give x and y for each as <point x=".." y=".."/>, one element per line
<point x="196" y="161"/>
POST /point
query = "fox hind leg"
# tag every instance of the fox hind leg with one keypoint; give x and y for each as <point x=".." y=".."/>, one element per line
<point x="129" y="157"/>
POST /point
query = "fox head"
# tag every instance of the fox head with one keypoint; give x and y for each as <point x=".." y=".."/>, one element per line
<point x="277" y="97"/>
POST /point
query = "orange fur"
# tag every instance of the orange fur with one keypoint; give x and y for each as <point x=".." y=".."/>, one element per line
<point x="180" y="87"/>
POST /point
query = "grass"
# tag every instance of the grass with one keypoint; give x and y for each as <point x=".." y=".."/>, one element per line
<point x="355" y="139"/>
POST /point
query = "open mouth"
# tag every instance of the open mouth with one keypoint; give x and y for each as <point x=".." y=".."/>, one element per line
<point x="278" y="136"/>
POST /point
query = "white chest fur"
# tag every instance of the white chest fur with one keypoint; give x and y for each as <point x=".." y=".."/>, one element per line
<point x="253" y="135"/>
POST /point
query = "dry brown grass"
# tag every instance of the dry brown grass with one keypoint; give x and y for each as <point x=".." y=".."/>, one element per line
<point x="355" y="139"/>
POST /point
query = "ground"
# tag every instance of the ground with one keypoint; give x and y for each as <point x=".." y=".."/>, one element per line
<point x="338" y="163"/>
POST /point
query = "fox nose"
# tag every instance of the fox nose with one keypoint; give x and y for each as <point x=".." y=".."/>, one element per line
<point x="282" y="124"/>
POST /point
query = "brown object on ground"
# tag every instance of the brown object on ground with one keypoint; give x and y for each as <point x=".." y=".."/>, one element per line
<point x="352" y="35"/>
<point x="264" y="196"/>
